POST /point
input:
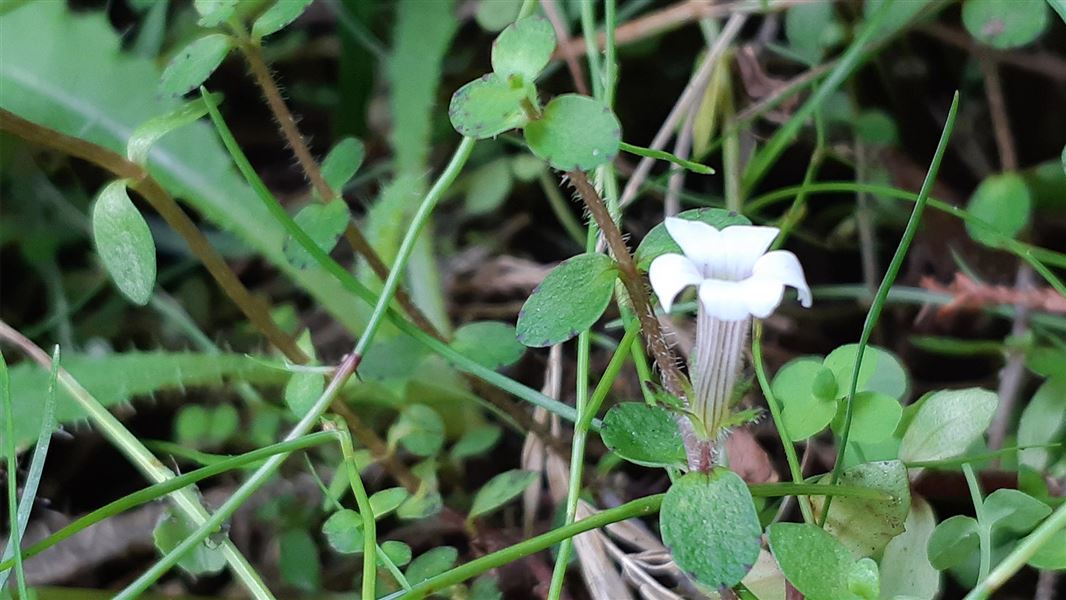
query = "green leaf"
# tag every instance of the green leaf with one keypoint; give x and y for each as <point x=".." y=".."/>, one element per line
<point x="1003" y="202"/>
<point x="876" y="128"/>
<point x="476" y="441"/>
<point x="485" y="588"/>
<point x="419" y="430"/>
<point x="489" y="186"/>
<point x="500" y="490"/>
<point x="487" y="107"/>
<point x="342" y="162"/>
<point x="148" y="133"/>
<point x="575" y="133"/>
<point x="709" y="523"/>
<point x="862" y="525"/>
<point x="863" y="579"/>
<point x="194" y="63"/>
<point x="881" y="371"/>
<point x="658" y="241"/>
<point x="344" y="531"/>
<point x="278" y="16"/>
<point x="1013" y="510"/>
<point x="490" y="343"/>
<point x="523" y="49"/>
<point x="324" y="223"/>
<point x="420" y="505"/>
<point x="494" y="15"/>
<point x="214" y="12"/>
<point x="874" y="417"/>
<point x="953" y="541"/>
<point x="124" y="243"/>
<point x="386" y="501"/>
<point x="298" y="561"/>
<point x="947" y="423"/>
<point x="571" y="298"/>
<point x="643" y="434"/>
<point x="431" y="564"/>
<point x="1052" y="555"/>
<point x="203" y="559"/>
<point x="1043" y="422"/>
<point x="223" y="423"/>
<point x="803" y="413"/>
<point x="814" y="562"/>
<point x="824" y="386"/>
<point x="398" y="552"/>
<point x="1004" y="24"/>
<point x="302" y="390"/>
<point x="190" y="425"/>
<point x="812" y="28"/>
<point x="905" y="567"/>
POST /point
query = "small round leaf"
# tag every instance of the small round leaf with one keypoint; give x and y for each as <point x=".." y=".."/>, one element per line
<point x="420" y="430"/>
<point x="709" y="523"/>
<point x="278" y="16"/>
<point x="523" y="48"/>
<point x="344" y="531"/>
<point x="398" y="552"/>
<point x="214" y="12"/>
<point x="874" y="417"/>
<point x="201" y="560"/>
<point x="571" y="298"/>
<point x="324" y="224"/>
<point x="489" y="343"/>
<point x="1003" y="202"/>
<point x="803" y="414"/>
<point x="494" y="15"/>
<point x="813" y="561"/>
<point x="500" y="490"/>
<point x="953" y="541"/>
<point x="342" y="162"/>
<point x="1005" y="24"/>
<point x="643" y="434"/>
<point x="575" y="133"/>
<point x="124" y="243"/>
<point x="487" y="107"/>
<point x="194" y="63"/>
<point x="430" y="564"/>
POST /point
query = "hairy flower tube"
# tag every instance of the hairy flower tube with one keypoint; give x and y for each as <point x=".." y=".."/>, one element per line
<point x="736" y="279"/>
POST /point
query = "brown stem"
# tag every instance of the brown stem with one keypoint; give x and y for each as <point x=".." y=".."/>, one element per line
<point x="997" y="108"/>
<point x="287" y="123"/>
<point x="164" y="204"/>
<point x="673" y="378"/>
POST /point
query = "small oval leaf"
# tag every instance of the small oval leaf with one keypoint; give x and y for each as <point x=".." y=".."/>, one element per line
<point x="523" y="48"/>
<point x="490" y="343"/>
<point x="1004" y="203"/>
<point x="570" y="299"/>
<point x="1004" y="24"/>
<point x="575" y="133"/>
<point x="500" y="490"/>
<point x="278" y="16"/>
<point x="124" y="242"/>
<point x="194" y="63"/>
<point x="342" y="162"/>
<point x="487" y="107"/>
<point x="214" y="12"/>
<point x="324" y="224"/>
<point x="643" y="434"/>
<point x="814" y="562"/>
<point x="344" y="531"/>
<point x="947" y="423"/>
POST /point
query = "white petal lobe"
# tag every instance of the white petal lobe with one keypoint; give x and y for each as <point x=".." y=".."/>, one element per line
<point x="742" y="247"/>
<point x="782" y="267"/>
<point x="669" y="274"/>
<point x="700" y="242"/>
<point x="725" y="300"/>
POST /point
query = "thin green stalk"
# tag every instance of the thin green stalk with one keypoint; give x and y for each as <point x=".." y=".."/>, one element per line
<point x="414" y="230"/>
<point x="984" y="533"/>
<point x="15" y="540"/>
<point x="1021" y="553"/>
<point x="186" y="501"/>
<point x="528" y="6"/>
<point x="775" y="412"/>
<point x="249" y="487"/>
<point x="353" y="285"/>
<point x="159" y="490"/>
<point x="33" y="476"/>
<point x="886" y="285"/>
<point x="636" y="508"/>
<point x="370" y="539"/>
<point x="855" y="55"/>
<point x="588" y="28"/>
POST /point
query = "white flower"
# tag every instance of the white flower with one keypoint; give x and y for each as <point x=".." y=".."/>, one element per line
<point x="734" y="273"/>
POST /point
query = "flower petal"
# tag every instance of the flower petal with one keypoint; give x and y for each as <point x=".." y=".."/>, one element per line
<point x="783" y="268"/>
<point x="743" y="245"/>
<point x="700" y="242"/>
<point x="762" y="295"/>
<point x="725" y="300"/>
<point x="671" y="273"/>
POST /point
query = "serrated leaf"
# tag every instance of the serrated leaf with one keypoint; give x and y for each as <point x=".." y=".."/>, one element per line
<point x="905" y="567"/>
<point x="1004" y="24"/>
<point x="278" y="16"/>
<point x="430" y="564"/>
<point x="523" y="49"/>
<point x="324" y="224"/>
<point x="344" y="531"/>
<point x="342" y="162"/>
<point x="124" y="242"/>
<point x="171" y="530"/>
<point x="954" y="540"/>
<point x="865" y="526"/>
<point x="500" y="490"/>
<point x="947" y="423"/>
<point x="813" y="561"/>
<point x="487" y="107"/>
<point x="194" y="63"/>
<point x="658" y="241"/>
<point x="149" y="132"/>
<point x="489" y="343"/>
<point x="1013" y="510"/>
<point x="1004" y="203"/>
<point x="575" y="133"/>
<point x="214" y="12"/>
<point x="709" y="523"/>
<point x="476" y="441"/>
<point x="643" y="434"/>
<point x="571" y="298"/>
